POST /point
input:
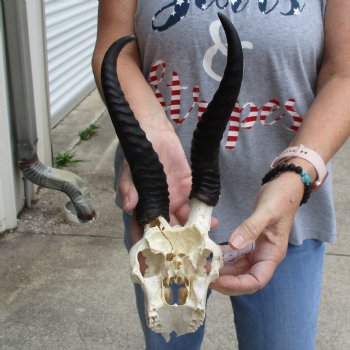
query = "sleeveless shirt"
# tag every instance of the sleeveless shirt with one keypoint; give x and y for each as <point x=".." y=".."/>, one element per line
<point x="183" y="54"/>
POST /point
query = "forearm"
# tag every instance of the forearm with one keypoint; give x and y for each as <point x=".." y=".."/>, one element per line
<point x="137" y="91"/>
<point x="115" y="20"/>
<point x="327" y="124"/>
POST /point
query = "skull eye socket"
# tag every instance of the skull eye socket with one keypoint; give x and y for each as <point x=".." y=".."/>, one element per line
<point x="150" y="263"/>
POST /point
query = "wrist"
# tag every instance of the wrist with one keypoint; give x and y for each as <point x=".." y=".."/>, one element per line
<point x="306" y="165"/>
<point x="285" y="170"/>
<point x="311" y="160"/>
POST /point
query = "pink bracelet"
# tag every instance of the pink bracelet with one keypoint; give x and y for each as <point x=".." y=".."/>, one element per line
<point x="307" y="154"/>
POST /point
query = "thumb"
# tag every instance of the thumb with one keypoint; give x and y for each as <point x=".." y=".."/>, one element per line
<point x="249" y="230"/>
<point x="127" y="189"/>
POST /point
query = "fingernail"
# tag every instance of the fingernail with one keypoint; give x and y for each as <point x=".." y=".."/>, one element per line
<point x="237" y="242"/>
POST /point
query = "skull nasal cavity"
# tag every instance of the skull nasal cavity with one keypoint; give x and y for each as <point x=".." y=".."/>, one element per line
<point x="175" y="294"/>
<point x="170" y="256"/>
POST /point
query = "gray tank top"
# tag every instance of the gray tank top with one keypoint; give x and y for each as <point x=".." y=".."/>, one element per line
<point x="183" y="55"/>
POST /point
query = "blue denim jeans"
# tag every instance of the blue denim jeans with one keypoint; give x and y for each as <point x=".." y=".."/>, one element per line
<point x="282" y="315"/>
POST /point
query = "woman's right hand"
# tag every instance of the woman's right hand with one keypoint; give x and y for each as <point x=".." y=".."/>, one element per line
<point x="170" y="152"/>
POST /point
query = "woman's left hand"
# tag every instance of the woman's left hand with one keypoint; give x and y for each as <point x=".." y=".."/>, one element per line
<point x="269" y="226"/>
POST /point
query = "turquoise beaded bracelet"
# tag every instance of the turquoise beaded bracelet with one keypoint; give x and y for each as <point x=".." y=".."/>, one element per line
<point x="281" y="168"/>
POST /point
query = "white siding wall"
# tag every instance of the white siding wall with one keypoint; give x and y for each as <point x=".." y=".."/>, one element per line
<point x="36" y="29"/>
<point x="8" y="210"/>
<point x="71" y="34"/>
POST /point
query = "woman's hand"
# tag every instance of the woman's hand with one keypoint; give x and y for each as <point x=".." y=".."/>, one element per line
<point x="269" y="226"/>
<point x="170" y="152"/>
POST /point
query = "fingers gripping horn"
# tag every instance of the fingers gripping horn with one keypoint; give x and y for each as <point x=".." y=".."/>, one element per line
<point x="209" y="132"/>
<point x="147" y="171"/>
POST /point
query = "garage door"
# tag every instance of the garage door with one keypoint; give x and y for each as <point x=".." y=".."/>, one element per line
<point x="71" y="34"/>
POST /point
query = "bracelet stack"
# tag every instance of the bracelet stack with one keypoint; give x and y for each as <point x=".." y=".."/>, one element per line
<point x="308" y="154"/>
<point x="281" y="168"/>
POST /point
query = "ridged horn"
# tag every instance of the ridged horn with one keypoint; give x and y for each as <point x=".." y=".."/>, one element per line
<point x="147" y="171"/>
<point x="210" y="129"/>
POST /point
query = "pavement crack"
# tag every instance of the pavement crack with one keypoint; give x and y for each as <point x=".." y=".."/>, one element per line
<point x="75" y="235"/>
<point x="339" y="254"/>
<point x="72" y="235"/>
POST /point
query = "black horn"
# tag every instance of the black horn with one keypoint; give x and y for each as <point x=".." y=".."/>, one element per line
<point x="210" y="129"/>
<point x="147" y="171"/>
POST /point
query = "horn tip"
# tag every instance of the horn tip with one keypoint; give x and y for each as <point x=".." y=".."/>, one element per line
<point x="222" y="17"/>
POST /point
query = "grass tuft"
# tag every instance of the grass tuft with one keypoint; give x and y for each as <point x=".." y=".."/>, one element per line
<point x="66" y="159"/>
<point x="89" y="132"/>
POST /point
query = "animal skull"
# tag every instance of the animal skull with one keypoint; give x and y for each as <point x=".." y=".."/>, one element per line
<point x="176" y="281"/>
<point x="176" y="257"/>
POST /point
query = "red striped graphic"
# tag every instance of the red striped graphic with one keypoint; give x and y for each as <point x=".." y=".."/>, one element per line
<point x="249" y="121"/>
<point x="233" y="127"/>
<point x="155" y="81"/>
<point x="269" y="108"/>
<point x="297" y="119"/>
<point x="242" y="117"/>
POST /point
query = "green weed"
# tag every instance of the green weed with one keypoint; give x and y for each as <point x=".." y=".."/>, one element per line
<point x="66" y="159"/>
<point x="89" y="132"/>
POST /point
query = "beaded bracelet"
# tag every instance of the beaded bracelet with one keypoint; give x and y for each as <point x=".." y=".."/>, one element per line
<point x="281" y="168"/>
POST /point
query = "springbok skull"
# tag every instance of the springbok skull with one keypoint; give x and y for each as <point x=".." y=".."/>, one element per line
<point x="176" y="280"/>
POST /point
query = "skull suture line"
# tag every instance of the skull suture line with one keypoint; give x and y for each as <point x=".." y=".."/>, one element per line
<point x="176" y="281"/>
